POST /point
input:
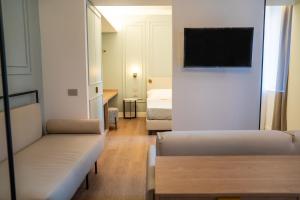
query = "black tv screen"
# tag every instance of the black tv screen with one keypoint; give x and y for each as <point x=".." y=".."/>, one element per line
<point x="218" y="47"/>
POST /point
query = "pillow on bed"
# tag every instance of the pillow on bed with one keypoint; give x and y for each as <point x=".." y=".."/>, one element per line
<point x="159" y="94"/>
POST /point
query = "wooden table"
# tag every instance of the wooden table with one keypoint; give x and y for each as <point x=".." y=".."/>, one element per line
<point x="227" y="177"/>
<point x="108" y="94"/>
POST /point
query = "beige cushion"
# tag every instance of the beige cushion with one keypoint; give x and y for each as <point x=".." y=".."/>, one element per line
<point x="26" y="125"/>
<point x="225" y="143"/>
<point x="53" y="167"/>
<point x="62" y="126"/>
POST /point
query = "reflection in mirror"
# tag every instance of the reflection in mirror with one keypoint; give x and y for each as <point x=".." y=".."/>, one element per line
<point x="7" y="185"/>
<point x="23" y="47"/>
<point x="24" y="68"/>
<point x="4" y="169"/>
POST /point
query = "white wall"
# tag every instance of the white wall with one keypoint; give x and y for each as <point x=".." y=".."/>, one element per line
<point x="293" y="112"/>
<point x="113" y="68"/>
<point x="63" y="36"/>
<point x="144" y="41"/>
<point x="216" y="98"/>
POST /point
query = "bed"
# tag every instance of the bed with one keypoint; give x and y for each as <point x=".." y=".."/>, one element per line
<point x="159" y="104"/>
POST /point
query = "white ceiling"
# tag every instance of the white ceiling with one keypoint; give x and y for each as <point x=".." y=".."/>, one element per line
<point x="115" y="11"/>
<point x="115" y="14"/>
<point x="132" y="2"/>
<point x="107" y="27"/>
<point x="166" y="2"/>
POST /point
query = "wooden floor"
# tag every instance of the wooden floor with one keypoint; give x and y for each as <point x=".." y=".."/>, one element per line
<point x="122" y="166"/>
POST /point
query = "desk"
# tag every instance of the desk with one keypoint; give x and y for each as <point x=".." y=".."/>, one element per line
<point x="227" y="177"/>
<point x="108" y="94"/>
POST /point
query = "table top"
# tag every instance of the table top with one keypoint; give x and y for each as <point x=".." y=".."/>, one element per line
<point x="223" y="175"/>
<point x="108" y="94"/>
<point x="132" y="99"/>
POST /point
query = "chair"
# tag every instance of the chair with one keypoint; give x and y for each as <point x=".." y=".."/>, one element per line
<point x="113" y="114"/>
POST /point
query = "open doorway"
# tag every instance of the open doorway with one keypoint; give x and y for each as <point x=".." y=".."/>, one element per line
<point x="137" y="63"/>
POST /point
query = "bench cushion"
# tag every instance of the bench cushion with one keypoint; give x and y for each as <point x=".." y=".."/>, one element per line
<point x="53" y="167"/>
<point x="26" y="123"/>
<point x="73" y="126"/>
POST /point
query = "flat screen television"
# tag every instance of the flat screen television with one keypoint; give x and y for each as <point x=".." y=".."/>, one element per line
<point x="218" y="47"/>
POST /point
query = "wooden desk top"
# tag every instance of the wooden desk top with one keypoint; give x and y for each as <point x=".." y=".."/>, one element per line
<point x="108" y="94"/>
<point x="227" y="176"/>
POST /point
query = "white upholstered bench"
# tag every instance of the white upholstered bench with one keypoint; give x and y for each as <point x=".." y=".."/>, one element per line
<point x="51" y="166"/>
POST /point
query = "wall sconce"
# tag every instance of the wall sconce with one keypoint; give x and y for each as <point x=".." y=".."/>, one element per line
<point x="134" y="75"/>
<point x="135" y="70"/>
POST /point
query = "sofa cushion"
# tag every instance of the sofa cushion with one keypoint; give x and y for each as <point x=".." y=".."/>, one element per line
<point x="26" y="125"/>
<point x="62" y="126"/>
<point x="225" y="143"/>
<point x="53" y="167"/>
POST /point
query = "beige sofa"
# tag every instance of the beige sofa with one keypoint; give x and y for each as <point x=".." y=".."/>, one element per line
<point x="51" y="166"/>
<point x="201" y="143"/>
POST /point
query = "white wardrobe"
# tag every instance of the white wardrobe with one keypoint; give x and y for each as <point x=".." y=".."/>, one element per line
<point x="94" y="43"/>
<point x="71" y="59"/>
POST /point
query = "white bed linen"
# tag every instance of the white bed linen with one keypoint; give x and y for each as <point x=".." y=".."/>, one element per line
<point x="159" y="125"/>
<point x="159" y="109"/>
<point x="159" y="94"/>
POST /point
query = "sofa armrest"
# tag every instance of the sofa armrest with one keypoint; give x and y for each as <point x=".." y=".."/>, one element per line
<point x="150" y="174"/>
<point x="292" y="134"/>
<point x="65" y="126"/>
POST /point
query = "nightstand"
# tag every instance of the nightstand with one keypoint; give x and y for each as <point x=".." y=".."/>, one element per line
<point x="131" y="102"/>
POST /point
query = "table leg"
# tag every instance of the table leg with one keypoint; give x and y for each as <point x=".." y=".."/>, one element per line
<point x="124" y="109"/>
<point x="87" y="182"/>
<point x="130" y="109"/>
<point x="106" y="119"/>
<point x="135" y="109"/>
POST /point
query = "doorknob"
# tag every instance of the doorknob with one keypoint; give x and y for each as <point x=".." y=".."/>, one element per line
<point x="97" y="90"/>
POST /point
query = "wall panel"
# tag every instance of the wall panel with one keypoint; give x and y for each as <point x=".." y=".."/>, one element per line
<point x="134" y="59"/>
<point x="160" y="49"/>
<point x="144" y="42"/>
<point x="16" y="31"/>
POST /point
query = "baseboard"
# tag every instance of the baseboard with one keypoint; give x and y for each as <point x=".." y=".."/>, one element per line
<point x="139" y="114"/>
